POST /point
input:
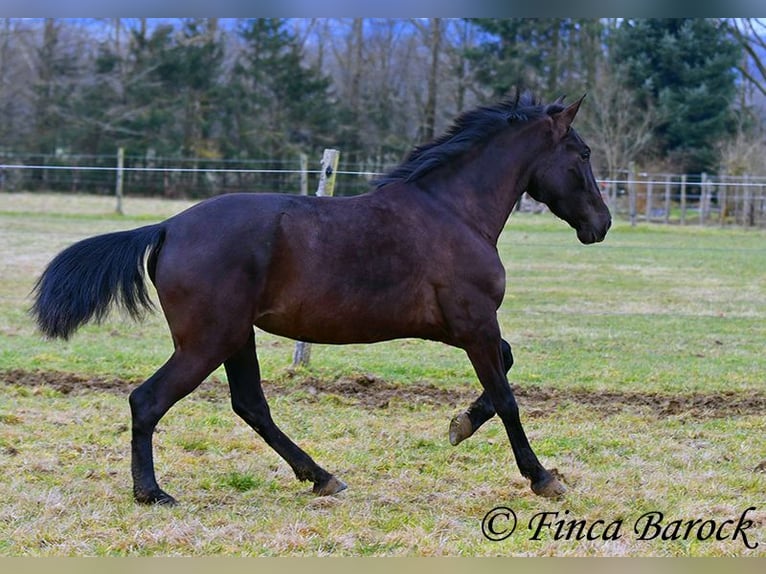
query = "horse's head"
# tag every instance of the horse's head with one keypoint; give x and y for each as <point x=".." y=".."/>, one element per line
<point x="562" y="179"/>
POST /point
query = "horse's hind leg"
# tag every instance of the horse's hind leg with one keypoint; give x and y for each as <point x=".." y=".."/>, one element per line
<point x="464" y="424"/>
<point x="148" y="403"/>
<point x="248" y="402"/>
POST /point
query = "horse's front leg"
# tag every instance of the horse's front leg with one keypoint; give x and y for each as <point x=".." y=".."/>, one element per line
<point x="464" y="424"/>
<point x="485" y="354"/>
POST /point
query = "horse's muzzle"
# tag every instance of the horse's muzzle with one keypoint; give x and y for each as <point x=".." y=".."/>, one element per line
<point x="588" y="234"/>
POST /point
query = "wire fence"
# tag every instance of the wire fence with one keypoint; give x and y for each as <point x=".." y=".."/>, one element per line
<point x="703" y="199"/>
<point x="638" y="197"/>
<point x="191" y="178"/>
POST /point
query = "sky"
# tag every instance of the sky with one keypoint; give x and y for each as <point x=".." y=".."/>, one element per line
<point x="390" y="8"/>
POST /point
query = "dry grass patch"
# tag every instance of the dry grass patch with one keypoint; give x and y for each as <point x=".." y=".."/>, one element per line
<point x="410" y="493"/>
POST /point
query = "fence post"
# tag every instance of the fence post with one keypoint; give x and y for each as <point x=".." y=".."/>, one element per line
<point x="611" y="190"/>
<point x="118" y="186"/>
<point x="649" y="190"/>
<point x="304" y="162"/>
<point x="746" y="203"/>
<point x="330" y="159"/>
<point x="703" y="198"/>
<point x="722" y="193"/>
<point x="326" y="188"/>
<point x="667" y="199"/>
<point x="632" y="193"/>
<point x="683" y="198"/>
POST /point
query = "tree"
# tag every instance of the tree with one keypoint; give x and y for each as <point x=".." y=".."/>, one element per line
<point x="381" y="69"/>
<point x="17" y="50"/>
<point x="433" y="33"/>
<point x="617" y="130"/>
<point x="98" y="104"/>
<point x="58" y="68"/>
<point x="685" y="69"/>
<point x="196" y="60"/>
<point x="276" y="105"/>
<point x="149" y="92"/>
<point x="548" y="56"/>
<point x="751" y="35"/>
<point x="171" y="85"/>
<point x="461" y="40"/>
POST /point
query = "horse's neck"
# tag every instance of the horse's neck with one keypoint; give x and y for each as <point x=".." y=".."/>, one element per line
<point x="486" y="184"/>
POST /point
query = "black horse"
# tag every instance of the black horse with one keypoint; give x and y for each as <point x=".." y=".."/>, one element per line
<point x="414" y="257"/>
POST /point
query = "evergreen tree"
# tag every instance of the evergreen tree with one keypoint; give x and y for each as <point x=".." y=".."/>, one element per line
<point x="549" y="56"/>
<point x="198" y="56"/>
<point x="172" y="86"/>
<point x="685" y="68"/>
<point x="97" y="104"/>
<point x="150" y="91"/>
<point x="276" y="106"/>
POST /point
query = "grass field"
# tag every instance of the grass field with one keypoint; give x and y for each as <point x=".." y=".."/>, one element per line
<point x="639" y="372"/>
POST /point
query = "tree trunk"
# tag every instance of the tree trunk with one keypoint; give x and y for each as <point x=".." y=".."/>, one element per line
<point x="429" y="117"/>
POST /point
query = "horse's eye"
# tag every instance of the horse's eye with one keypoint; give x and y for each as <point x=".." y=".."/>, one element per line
<point x="585" y="155"/>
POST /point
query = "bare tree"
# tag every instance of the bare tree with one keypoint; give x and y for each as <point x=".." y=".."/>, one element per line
<point x="751" y="34"/>
<point x="743" y="153"/>
<point x="617" y="130"/>
<point x="433" y="39"/>
<point x="459" y="89"/>
<point x="17" y="76"/>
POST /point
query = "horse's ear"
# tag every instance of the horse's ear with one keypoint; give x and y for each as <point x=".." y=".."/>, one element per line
<point x="563" y="119"/>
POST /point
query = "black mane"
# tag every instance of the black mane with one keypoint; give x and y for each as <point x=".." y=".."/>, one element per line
<point x="469" y="128"/>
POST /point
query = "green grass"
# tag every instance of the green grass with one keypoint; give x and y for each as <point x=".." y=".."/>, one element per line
<point x="658" y="311"/>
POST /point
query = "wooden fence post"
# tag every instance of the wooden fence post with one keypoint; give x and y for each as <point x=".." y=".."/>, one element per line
<point x="746" y="195"/>
<point x="667" y="199"/>
<point x="118" y="186"/>
<point x="330" y="159"/>
<point x="632" y="193"/>
<point x="649" y="193"/>
<point x="304" y="161"/>
<point x="326" y="188"/>
<point x="683" y="198"/>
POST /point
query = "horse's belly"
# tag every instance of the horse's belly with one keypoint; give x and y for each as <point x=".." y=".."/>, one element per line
<point x="342" y="321"/>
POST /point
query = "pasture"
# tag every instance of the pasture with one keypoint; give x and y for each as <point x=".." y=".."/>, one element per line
<point x="639" y="374"/>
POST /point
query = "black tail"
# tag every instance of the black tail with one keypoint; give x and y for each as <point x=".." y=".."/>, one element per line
<point x="83" y="281"/>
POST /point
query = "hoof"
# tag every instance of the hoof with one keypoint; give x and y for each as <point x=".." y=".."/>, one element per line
<point x="460" y="428"/>
<point x="329" y="487"/>
<point x="159" y="497"/>
<point x="549" y="487"/>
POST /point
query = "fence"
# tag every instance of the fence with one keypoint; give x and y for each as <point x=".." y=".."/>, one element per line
<point x="191" y="178"/>
<point x="638" y="197"/>
<point x="688" y="199"/>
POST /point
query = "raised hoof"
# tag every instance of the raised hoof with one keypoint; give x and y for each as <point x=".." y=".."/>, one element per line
<point x="460" y="428"/>
<point x="549" y="487"/>
<point x="158" y="497"/>
<point x="329" y="487"/>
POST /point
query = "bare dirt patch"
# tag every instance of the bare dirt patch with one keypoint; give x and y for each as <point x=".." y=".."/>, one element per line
<point x="65" y="383"/>
<point x="371" y="392"/>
